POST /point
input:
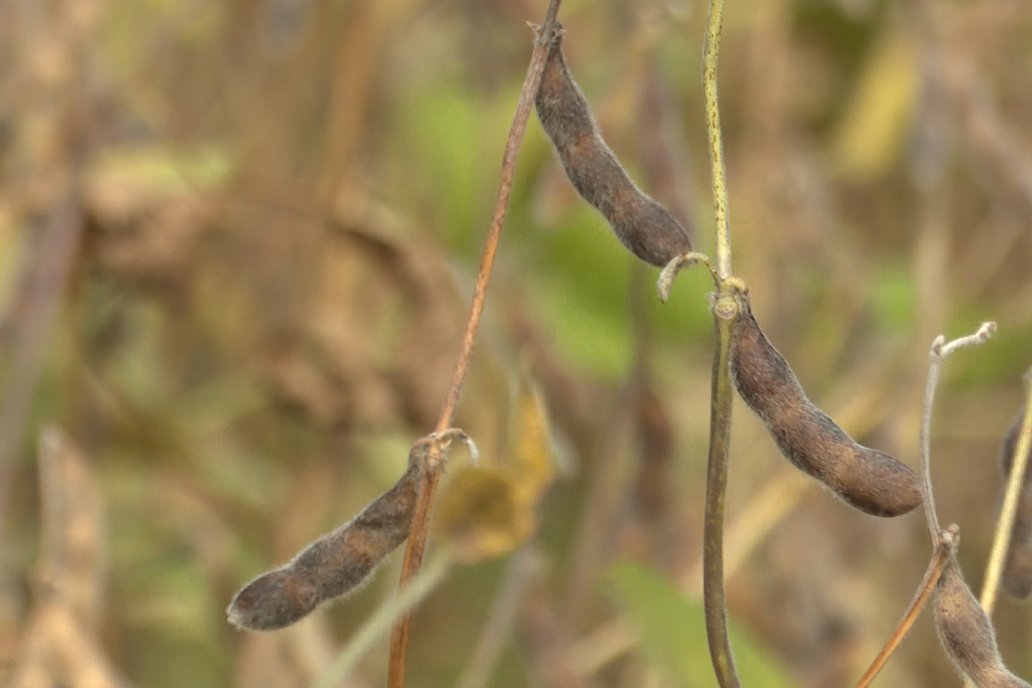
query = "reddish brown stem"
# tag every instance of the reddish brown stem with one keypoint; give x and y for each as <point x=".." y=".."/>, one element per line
<point x="416" y="545"/>
<point x="947" y="543"/>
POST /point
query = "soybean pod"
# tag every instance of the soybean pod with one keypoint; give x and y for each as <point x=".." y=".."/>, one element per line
<point x="644" y="226"/>
<point x="966" y="633"/>
<point x="332" y="565"/>
<point x="868" y="479"/>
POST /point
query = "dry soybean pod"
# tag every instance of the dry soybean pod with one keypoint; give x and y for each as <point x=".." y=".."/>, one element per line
<point x="342" y="559"/>
<point x="865" y="478"/>
<point x="1017" y="568"/>
<point x="331" y="566"/>
<point x="644" y="226"/>
<point x="966" y="633"/>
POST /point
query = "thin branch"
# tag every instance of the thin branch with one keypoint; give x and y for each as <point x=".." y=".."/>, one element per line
<point x="934" y="369"/>
<point x="941" y="350"/>
<point x="947" y="543"/>
<point x="1009" y="510"/>
<point x="419" y="587"/>
<point x="718" y="172"/>
<point x="416" y="545"/>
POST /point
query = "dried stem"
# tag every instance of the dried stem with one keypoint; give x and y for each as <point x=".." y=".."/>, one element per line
<point x="720" y="409"/>
<point x="418" y="588"/>
<point x="934" y="369"/>
<point x="941" y="350"/>
<point x="666" y="276"/>
<point x="947" y="543"/>
<point x="1008" y="512"/>
<point x="416" y="545"/>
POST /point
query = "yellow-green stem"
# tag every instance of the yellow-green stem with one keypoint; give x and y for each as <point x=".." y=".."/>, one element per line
<point x="718" y="174"/>
<point x="1005" y="523"/>
<point x="725" y="311"/>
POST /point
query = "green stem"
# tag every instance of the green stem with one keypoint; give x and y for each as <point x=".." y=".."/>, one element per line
<point x="718" y="174"/>
<point x="725" y="311"/>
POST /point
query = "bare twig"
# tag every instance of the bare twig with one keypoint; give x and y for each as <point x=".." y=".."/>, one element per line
<point x="941" y="349"/>
<point x="420" y="586"/>
<point x="416" y="545"/>
<point x="947" y="544"/>
<point x="1008" y="512"/>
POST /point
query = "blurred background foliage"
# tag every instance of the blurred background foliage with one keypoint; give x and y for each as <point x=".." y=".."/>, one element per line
<point x="237" y="243"/>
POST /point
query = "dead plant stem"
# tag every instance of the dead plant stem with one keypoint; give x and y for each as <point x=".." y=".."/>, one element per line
<point x="940" y="351"/>
<point x="417" y="540"/>
<point x="429" y="578"/>
<point x="1009" y="510"/>
<point x="934" y="370"/>
<point x="941" y="555"/>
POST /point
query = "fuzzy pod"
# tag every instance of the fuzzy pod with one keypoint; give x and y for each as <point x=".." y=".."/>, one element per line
<point x="333" y="565"/>
<point x="966" y="634"/>
<point x="644" y="226"/>
<point x="1017" y="568"/>
<point x="868" y="479"/>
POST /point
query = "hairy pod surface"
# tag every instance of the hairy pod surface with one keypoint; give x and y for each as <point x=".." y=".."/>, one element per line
<point x="868" y="479"/>
<point x="1017" y="568"/>
<point x="644" y="226"/>
<point x="332" y="565"/>
<point x="966" y="633"/>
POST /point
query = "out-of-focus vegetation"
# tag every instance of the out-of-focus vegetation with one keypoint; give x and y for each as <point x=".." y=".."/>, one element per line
<point x="237" y="242"/>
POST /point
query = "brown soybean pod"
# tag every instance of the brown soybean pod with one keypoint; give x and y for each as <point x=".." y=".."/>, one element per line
<point x="644" y="226"/>
<point x="332" y="565"/>
<point x="865" y="478"/>
<point x="1017" y="568"/>
<point x="966" y="633"/>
